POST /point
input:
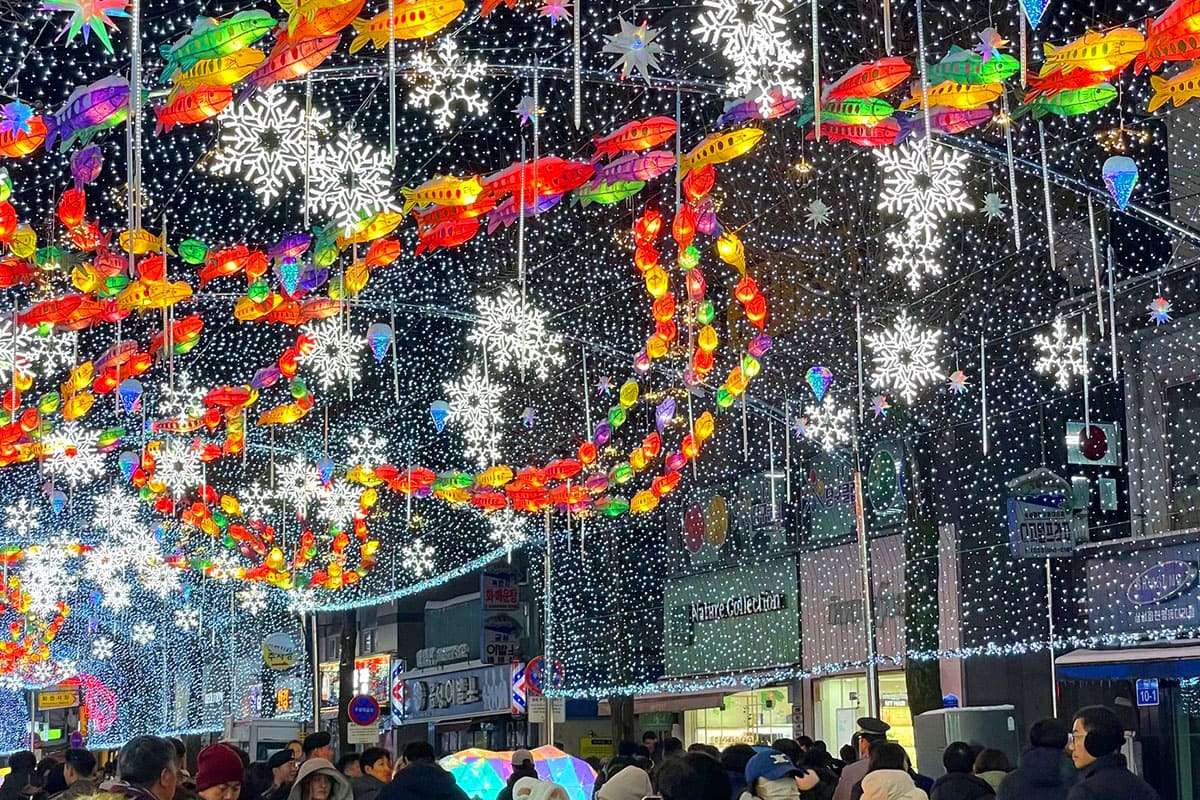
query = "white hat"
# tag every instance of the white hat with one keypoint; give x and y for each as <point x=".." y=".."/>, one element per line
<point x="533" y="789"/>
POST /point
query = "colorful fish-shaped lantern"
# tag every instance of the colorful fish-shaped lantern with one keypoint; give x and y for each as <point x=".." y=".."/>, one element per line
<point x="717" y="148"/>
<point x="636" y="167"/>
<point x="444" y="190"/>
<point x="877" y="135"/>
<point x="447" y="234"/>
<point x="871" y="79"/>
<point x="747" y="109"/>
<point x="303" y="10"/>
<point x="1069" y="103"/>
<point x="89" y="110"/>
<point x="223" y="71"/>
<point x="607" y="193"/>
<point x="967" y="66"/>
<point x="212" y="39"/>
<point x="851" y="110"/>
<point x="954" y="95"/>
<point x="635" y="136"/>
<point x="192" y="107"/>
<point x="1178" y="90"/>
<point x="1094" y="52"/>
<point x="327" y="20"/>
<point x="415" y="19"/>
<point x="290" y="60"/>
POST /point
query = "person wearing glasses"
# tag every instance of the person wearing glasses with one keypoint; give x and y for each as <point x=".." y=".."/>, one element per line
<point x="1095" y="746"/>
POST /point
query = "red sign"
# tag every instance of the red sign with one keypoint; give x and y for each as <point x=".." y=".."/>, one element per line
<point x="363" y="710"/>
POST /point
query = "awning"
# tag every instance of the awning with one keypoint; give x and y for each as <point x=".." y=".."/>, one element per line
<point x="1181" y="661"/>
<point x="674" y="703"/>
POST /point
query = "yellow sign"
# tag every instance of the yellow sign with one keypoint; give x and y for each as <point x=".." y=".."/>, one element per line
<point x="594" y="746"/>
<point x="57" y="698"/>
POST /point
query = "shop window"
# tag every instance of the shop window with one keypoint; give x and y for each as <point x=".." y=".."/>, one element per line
<point x="839" y="702"/>
<point x="757" y="718"/>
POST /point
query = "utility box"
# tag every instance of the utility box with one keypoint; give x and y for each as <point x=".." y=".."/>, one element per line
<point x="984" y="726"/>
<point x="261" y="738"/>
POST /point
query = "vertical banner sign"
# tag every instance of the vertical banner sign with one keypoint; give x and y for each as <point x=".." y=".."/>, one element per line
<point x="399" y="690"/>
<point x="519" y="689"/>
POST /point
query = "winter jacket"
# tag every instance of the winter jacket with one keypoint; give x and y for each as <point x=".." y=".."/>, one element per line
<point x="83" y="787"/>
<point x="366" y="787"/>
<point x="890" y="784"/>
<point x="1045" y="773"/>
<point x="737" y="784"/>
<point x="961" y="786"/>
<point x="507" y="792"/>
<point x="851" y="775"/>
<point x="992" y="778"/>
<point x="823" y="790"/>
<point x="341" y="784"/>
<point x="422" y="780"/>
<point x="1107" y="778"/>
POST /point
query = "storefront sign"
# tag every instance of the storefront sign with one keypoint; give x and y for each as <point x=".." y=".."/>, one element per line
<point x="482" y="690"/>
<point x="372" y="675"/>
<point x="1041" y="516"/>
<point x="1147" y="691"/>
<point x="57" y="698"/>
<point x="436" y="656"/>
<point x="501" y="639"/>
<point x="827" y="500"/>
<point x="743" y="606"/>
<point x="593" y="746"/>
<point x="499" y="590"/>
<point x="1141" y="592"/>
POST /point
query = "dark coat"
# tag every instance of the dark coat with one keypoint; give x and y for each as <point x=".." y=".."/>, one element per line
<point x="366" y="787"/>
<point x="422" y="780"/>
<point x="960" y="786"/>
<point x="517" y="774"/>
<point x="1045" y="774"/>
<point x="1107" y="778"/>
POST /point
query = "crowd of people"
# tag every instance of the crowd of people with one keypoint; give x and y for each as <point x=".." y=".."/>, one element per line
<point x="1082" y="763"/>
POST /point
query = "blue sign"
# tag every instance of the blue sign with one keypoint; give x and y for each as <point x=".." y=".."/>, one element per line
<point x="1146" y="592"/>
<point x="461" y="694"/>
<point x="1147" y="691"/>
<point x="1161" y="582"/>
<point x="363" y="710"/>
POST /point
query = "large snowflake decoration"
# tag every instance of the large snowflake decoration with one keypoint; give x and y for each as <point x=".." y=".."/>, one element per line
<point x="923" y="183"/>
<point x="143" y="633"/>
<point x="475" y="406"/>
<point x="258" y="502"/>
<point x="72" y="453"/>
<point x="828" y="424"/>
<point x="49" y="575"/>
<point x="102" y="648"/>
<point x="158" y="578"/>
<point x="22" y="518"/>
<point x="442" y="81"/>
<point x="905" y="357"/>
<point x="913" y="251"/>
<point x="105" y="564"/>
<point x="367" y="449"/>
<point x="182" y="399"/>
<point x="335" y="353"/>
<point x="514" y="332"/>
<point x="756" y="42"/>
<point x="351" y="180"/>
<point x="16" y="347"/>
<point x="508" y="529"/>
<point x="49" y="352"/>
<point x="1062" y="355"/>
<point x="253" y="599"/>
<point x="635" y="48"/>
<point x="297" y="483"/>
<point x="187" y="618"/>
<point x="178" y="467"/>
<point x="268" y="142"/>
<point x="116" y="597"/>
<point x="418" y="559"/>
<point x="116" y="512"/>
<point x="338" y="503"/>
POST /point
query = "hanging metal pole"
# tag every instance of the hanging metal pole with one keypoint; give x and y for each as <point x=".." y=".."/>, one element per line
<point x="1096" y="264"/>
<point x="576" y="64"/>
<point x="316" y="674"/>
<point x="983" y="391"/>
<point x="864" y="554"/>
<point x="548" y="733"/>
<point x="858" y="329"/>
<point x="1112" y="318"/>
<point x="1012" y="174"/>
<point x="392" y="81"/>
<point x="1050" y="640"/>
<point x="1046" y="194"/>
<point x="816" y="59"/>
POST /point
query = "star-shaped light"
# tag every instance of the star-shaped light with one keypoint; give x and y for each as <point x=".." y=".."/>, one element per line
<point x="528" y="416"/>
<point x="556" y="10"/>
<point x="800" y="427"/>
<point x="604" y="385"/>
<point x="1160" y="310"/>
<point x="990" y="42"/>
<point x="993" y="206"/>
<point x="14" y="118"/>
<point x="880" y="405"/>
<point x="528" y="109"/>
<point x="818" y="213"/>
<point x="635" y="49"/>
<point x="958" y="382"/>
<point x="89" y="16"/>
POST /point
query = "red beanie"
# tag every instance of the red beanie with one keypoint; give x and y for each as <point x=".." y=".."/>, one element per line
<point x="218" y="764"/>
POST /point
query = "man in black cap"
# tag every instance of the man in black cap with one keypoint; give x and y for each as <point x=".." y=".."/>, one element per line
<point x="283" y="775"/>
<point x="318" y="745"/>
<point x="869" y="730"/>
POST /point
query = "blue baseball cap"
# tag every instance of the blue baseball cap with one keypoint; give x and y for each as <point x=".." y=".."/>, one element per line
<point x="771" y="765"/>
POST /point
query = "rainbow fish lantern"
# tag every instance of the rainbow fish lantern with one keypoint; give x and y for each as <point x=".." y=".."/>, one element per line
<point x="379" y="339"/>
<point x="1120" y="176"/>
<point x="439" y="411"/>
<point x="818" y="379"/>
<point x="1034" y="10"/>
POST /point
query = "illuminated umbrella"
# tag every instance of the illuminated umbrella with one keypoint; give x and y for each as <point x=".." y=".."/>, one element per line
<point x="483" y="773"/>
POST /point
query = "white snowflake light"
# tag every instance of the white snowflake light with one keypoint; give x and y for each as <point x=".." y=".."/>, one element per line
<point x="102" y="648"/>
<point x="297" y="483"/>
<point x="338" y="503"/>
<point x="993" y="206"/>
<point x="264" y="141"/>
<point x="144" y="633"/>
<point x="22" y="518"/>
<point x="508" y="528"/>
<point x="105" y="564"/>
<point x="335" y="355"/>
<point x="116" y="512"/>
<point x="16" y="348"/>
<point x="158" y="578"/>
<point x="756" y="43"/>
<point x="418" y="559"/>
<point x="828" y="424"/>
<point x="351" y="180"/>
<point x="187" y="618"/>
<point x="905" y="357"/>
<point x="116" y="597"/>
<point x="442" y="81"/>
<point x="913" y="251"/>
<point x="1062" y="355"/>
<point x="49" y="574"/>
<point x="367" y="449"/>
<point x="258" y="502"/>
<point x="182" y="399"/>
<point x="818" y="213"/>
<point x="253" y="599"/>
<point x="178" y="467"/>
<point x="475" y="406"/>
<point x="923" y="183"/>
<point x="514" y="332"/>
<point x="71" y="453"/>
<point x="50" y="352"/>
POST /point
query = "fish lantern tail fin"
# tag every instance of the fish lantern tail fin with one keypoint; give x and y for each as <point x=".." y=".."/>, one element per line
<point x="410" y="200"/>
<point x="1160" y="96"/>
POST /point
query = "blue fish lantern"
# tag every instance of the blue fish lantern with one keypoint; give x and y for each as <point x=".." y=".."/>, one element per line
<point x="818" y="379"/>
<point x="439" y="410"/>
<point x="379" y="338"/>
<point x="1120" y="176"/>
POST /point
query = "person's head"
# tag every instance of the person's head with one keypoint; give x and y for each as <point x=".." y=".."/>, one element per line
<point x="283" y="767"/>
<point x="296" y="749"/>
<point x="672" y="746"/>
<point x="219" y="773"/>
<point x="888" y="755"/>
<point x="691" y="776"/>
<point x="626" y="749"/>
<point x="650" y="740"/>
<point x="149" y="762"/>
<point x="348" y="765"/>
<point x="78" y="765"/>
<point x="256" y="781"/>
<point x="1048" y="732"/>
<point x="418" y="752"/>
<point x="51" y="776"/>
<point x="815" y="758"/>
<point x="707" y="749"/>
<point x="316" y="786"/>
<point x="866" y="739"/>
<point x="735" y="758"/>
<point x="790" y="748"/>
<point x="1096" y="732"/>
<point x="180" y="751"/>
<point x="769" y="774"/>
<point x="522" y="764"/>
<point x="991" y="760"/>
<point x="805" y="742"/>
<point x="848" y="754"/>
<point x="376" y="762"/>
<point x="318" y="745"/>
<point x="22" y="761"/>
<point x="958" y="757"/>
